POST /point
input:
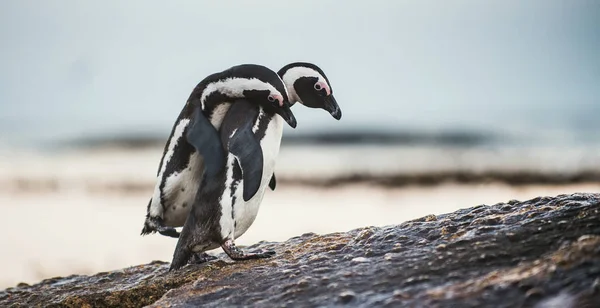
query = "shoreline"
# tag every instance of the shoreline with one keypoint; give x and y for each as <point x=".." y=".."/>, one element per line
<point x="19" y="186"/>
<point x="117" y="170"/>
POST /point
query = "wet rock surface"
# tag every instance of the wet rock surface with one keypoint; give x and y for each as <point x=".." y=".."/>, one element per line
<point x="536" y="253"/>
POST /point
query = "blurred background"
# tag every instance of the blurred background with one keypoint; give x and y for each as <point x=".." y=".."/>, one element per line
<point x="446" y="105"/>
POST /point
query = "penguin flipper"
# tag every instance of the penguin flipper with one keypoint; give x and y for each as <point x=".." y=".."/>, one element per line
<point x="236" y="132"/>
<point x="205" y="138"/>
<point x="272" y="182"/>
<point x="249" y="155"/>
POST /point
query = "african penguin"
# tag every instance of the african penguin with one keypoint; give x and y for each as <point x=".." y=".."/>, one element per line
<point x="220" y="212"/>
<point x="305" y="82"/>
<point x="191" y="147"/>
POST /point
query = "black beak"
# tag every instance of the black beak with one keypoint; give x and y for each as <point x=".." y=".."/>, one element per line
<point x="286" y="113"/>
<point x="332" y="107"/>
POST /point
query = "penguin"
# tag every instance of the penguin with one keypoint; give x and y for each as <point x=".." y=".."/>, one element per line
<point x="220" y="212"/>
<point x="305" y="83"/>
<point x="193" y="144"/>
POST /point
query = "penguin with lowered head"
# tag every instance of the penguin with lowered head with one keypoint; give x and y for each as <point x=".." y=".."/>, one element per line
<point x="307" y="84"/>
<point x="221" y="212"/>
<point x="181" y="166"/>
<point x="191" y="149"/>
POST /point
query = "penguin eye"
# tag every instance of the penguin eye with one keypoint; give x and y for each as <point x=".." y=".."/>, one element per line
<point x="271" y="98"/>
<point x="318" y="86"/>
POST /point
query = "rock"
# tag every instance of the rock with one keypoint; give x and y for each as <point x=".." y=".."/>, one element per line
<point x="538" y="253"/>
<point x="347" y="296"/>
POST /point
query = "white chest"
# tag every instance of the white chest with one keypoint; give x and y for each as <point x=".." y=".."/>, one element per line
<point x="244" y="212"/>
<point x="180" y="191"/>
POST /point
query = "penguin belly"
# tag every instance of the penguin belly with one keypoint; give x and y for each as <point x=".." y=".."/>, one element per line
<point x="245" y="212"/>
<point x="180" y="192"/>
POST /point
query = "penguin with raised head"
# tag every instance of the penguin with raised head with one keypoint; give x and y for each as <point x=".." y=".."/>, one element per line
<point x="181" y="166"/>
<point x="191" y="147"/>
<point x="221" y="211"/>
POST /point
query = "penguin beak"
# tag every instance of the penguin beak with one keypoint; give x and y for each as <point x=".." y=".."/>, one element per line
<point x="286" y="113"/>
<point x="331" y="106"/>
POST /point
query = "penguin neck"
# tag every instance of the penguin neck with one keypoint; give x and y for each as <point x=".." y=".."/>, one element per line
<point x="288" y="81"/>
<point x="294" y="98"/>
<point x="262" y="122"/>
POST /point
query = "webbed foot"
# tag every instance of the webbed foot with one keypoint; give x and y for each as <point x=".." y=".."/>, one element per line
<point x="201" y="257"/>
<point x="238" y="255"/>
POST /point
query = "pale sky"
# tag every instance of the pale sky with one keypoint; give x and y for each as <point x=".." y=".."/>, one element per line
<point x="71" y="68"/>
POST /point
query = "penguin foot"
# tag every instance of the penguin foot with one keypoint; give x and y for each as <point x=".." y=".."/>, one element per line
<point x="238" y="255"/>
<point x="201" y="257"/>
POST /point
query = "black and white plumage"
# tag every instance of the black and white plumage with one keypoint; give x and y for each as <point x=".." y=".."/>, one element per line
<point x="305" y="83"/>
<point x="191" y="146"/>
<point x="220" y="212"/>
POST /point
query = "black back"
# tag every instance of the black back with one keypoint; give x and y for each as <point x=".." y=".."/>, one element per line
<point x="259" y="72"/>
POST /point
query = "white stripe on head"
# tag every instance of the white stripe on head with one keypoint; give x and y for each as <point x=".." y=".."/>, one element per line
<point x="287" y="93"/>
<point x="235" y="87"/>
<point x="295" y="73"/>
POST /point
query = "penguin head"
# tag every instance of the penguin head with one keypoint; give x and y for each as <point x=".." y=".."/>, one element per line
<point x="308" y="85"/>
<point x="256" y="83"/>
<point x="272" y="101"/>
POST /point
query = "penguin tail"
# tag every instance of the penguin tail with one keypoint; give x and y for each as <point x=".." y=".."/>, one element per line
<point x="150" y="223"/>
<point x="155" y="224"/>
<point x="147" y="230"/>
<point x="150" y="226"/>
